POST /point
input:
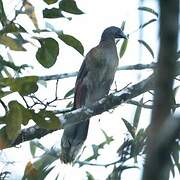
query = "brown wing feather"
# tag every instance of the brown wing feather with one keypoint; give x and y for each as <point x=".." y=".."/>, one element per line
<point x="80" y="87"/>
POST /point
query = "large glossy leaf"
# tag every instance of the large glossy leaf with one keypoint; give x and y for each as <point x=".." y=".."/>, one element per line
<point x="52" y="13"/>
<point x="147" y="9"/>
<point x="147" y="47"/>
<point x="50" y="1"/>
<point x="48" y="52"/>
<point x="72" y="41"/>
<point x="13" y="44"/>
<point x="69" y="6"/>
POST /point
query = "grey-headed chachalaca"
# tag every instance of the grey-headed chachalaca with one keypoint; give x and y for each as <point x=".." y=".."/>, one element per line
<point x="93" y="83"/>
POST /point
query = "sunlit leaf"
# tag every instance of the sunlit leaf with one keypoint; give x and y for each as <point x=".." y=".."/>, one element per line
<point x="48" y="52"/>
<point x="50" y="1"/>
<point x="69" y="6"/>
<point x="52" y="13"/>
<point x="13" y="44"/>
<point x="72" y="41"/>
<point x="147" y="9"/>
<point x="147" y="47"/>
<point x="123" y="48"/>
<point x="29" y="10"/>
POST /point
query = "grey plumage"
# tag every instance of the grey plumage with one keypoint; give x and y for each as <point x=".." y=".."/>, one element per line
<point x="93" y="83"/>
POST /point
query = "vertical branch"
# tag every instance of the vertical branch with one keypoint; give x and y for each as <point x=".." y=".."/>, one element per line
<point x="157" y="157"/>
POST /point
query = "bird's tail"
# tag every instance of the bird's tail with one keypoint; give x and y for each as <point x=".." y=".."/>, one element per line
<point x="72" y="141"/>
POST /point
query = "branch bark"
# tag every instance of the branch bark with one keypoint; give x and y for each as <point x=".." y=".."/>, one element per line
<point x="108" y="102"/>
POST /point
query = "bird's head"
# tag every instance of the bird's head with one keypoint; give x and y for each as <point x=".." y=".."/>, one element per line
<point x="113" y="32"/>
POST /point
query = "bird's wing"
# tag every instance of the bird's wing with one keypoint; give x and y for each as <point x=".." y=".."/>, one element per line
<point x="80" y="87"/>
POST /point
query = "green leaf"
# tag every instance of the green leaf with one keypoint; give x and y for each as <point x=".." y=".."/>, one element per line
<point x="69" y="6"/>
<point x="72" y="41"/>
<point x="12" y="28"/>
<point x="3" y="18"/>
<point x="145" y="24"/>
<point x="109" y="139"/>
<point x="123" y="25"/>
<point x="69" y="93"/>
<point x="147" y="9"/>
<point x="123" y="48"/>
<point x="137" y="115"/>
<point x="46" y="119"/>
<point x="147" y="47"/>
<point x="13" y="44"/>
<point x="23" y="85"/>
<point x="48" y="52"/>
<point x="33" y="148"/>
<point x="89" y="176"/>
<point x="4" y="141"/>
<point x="11" y="65"/>
<point x="52" y="13"/>
<point x="50" y="1"/>
<point x="14" y="119"/>
<point x="129" y="127"/>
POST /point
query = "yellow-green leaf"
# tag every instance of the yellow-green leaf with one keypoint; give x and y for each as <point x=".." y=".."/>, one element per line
<point x="123" y="48"/>
<point x="13" y="44"/>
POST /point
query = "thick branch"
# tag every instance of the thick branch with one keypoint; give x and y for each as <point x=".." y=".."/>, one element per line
<point x="99" y="107"/>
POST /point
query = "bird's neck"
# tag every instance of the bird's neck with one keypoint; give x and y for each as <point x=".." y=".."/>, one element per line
<point x="107" y="41"/>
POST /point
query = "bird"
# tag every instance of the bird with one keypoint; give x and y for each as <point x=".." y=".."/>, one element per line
<point x="93" y="82"/>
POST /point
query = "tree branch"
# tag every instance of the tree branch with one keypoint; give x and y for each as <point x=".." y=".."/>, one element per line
<point x="106" y="103"/>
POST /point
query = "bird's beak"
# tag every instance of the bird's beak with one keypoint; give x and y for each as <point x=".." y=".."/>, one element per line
<point x="123" y="36"/>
